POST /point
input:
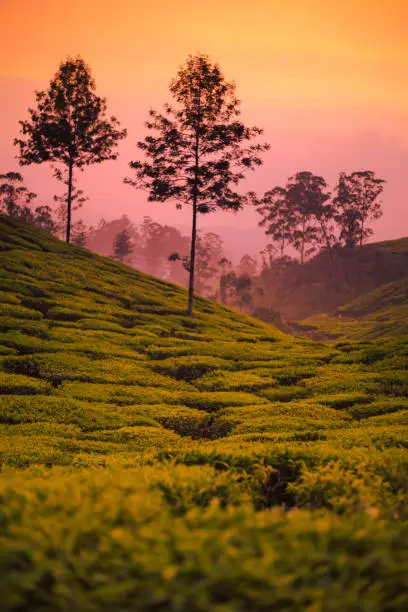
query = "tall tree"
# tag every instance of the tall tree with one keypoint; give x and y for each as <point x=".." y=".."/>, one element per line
<point x="356" y="204"/>
<point x="278" y="217"/>
<point x="198" y="150"/>
<point x="297" y="215"/>
<point x="69" y="126"/>
<point x="307" y="195"/>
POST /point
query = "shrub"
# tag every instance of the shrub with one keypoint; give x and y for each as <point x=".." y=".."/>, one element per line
<point x="21" y="385"/>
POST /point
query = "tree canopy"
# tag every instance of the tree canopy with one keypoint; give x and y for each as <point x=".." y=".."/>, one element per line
<point x="69" y="126"/>
<point x="198" y="150"/>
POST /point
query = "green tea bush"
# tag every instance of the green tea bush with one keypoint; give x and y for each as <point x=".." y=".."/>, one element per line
<point x="39" y="329"/>
<point x="26" y="344"/>
<point x="233" y="381"/>
<point x="380" y="406"/>
<point x="51" y="409"/>
<point x="17" y="311"/>
<point x="212" y="402"/>
<point x="285" y="394"/>
<point x="189" y="368"/>
<point x="119" y="394"/>
<point x="21" y="385"/>
<point x="188" y="464"/>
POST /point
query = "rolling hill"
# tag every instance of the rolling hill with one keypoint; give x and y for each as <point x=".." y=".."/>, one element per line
<point x="382" y="313"/>
<point x="155" y="462"/>
<point x="322" y="285"/>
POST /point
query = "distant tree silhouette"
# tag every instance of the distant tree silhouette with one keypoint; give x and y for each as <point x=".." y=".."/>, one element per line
<point x="44" y="219"/>
<point x="278" y="217"/>
<point x="15" y="198"/>
<point x="298" y="214"/>
<point x="356" y="204"/>
<point x="122" y="246"/>
<point x="157" y="241"/>
<point x="69" y="126"/>
<point x="306" y="195"/>
<point x="15" y="201"/>
<point x="79" y="234"/>
<point x="101" y="238"/>
<point x="198" y="152"/>
<point x="209" y="250"/>
<point x="248" y="266"/>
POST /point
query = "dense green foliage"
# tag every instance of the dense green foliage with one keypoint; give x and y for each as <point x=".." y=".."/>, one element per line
<point x="156" y="462"/>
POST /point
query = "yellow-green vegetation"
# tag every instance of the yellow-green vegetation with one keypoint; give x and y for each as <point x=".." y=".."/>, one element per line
<point x="155" y="462"/>
<point x="382" y="313"/>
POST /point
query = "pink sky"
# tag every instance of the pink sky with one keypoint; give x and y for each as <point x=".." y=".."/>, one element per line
<point x="328" y="82"/>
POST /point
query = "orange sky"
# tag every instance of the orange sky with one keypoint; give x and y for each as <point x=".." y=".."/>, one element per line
<point x="326" y="79"/>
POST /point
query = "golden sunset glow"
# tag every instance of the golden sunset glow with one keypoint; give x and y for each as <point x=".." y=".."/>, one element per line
<point x="322" y="78"/>
<point x="297" y="51"/>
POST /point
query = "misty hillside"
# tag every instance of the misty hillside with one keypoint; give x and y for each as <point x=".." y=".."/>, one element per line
<point x="382" y="313"/>
<point x="152" y="461"/>
<point x="321" y="285"/>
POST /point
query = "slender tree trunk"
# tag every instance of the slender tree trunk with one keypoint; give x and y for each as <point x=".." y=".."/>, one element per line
<point x="362" y="232"/>
<point x="192" y="259"/>
<point x="302" y="251"/>
<point x="329" y="248"/>
<point x="69" y="202"/>
<point x="194" y="226"/>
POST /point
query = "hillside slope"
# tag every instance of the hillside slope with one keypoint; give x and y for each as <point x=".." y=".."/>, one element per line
<point x="321" y="285"/>
<point x="156" y="462"/>
<point x="382" y="313"/>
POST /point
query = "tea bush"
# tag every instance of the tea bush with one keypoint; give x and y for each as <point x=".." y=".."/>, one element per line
<point x="150" y="461"/>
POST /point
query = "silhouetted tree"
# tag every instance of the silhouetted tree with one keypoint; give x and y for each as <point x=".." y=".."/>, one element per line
<point x="235" y="290"/>
<point x="243" y="287"/>
<point x="278" y="217"/>
<point x="306" y="194"/>
<point x="15" y="201"/>
<point x="69" y="126"/>
<point x="43" y="219"/>
<point x="198" y="153"/>
<point x="356" y="204"/>
<point x="228" y="282"/>
<point x="297" y="215"/>
<point x="101" y="237"/>
<point x="15" y="198"/>
<point x="157" y="242"/>
<point x="79" y="233"/>
<point x="209" y="251"/>
<point x="122" y="246"/>
<point x="78" y="199"/>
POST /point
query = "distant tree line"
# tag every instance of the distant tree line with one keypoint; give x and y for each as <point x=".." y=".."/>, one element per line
<point x="305" y="216"/>
<point x="196" y="152"/>
<point x="18" y="202"/>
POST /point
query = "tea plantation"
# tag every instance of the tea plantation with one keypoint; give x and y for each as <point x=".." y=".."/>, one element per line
<point x="155" y="462"/>
<point x="378" y="314"/>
